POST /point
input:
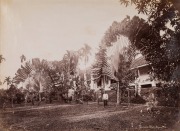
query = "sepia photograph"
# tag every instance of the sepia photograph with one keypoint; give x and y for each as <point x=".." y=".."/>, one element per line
<point x="89" y="65"/>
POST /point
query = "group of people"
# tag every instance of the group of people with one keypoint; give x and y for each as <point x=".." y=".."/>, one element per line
<point x="101" y="96"/>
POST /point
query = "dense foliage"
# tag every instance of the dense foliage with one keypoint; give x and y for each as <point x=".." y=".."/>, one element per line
<point x="162" y="51"/>
<point x="48" y="79"/>
<point x="159" y="41"/>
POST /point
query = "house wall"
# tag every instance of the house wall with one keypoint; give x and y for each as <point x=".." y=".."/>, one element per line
<point x="107" y="85"/>
<point x="143" y="79"/>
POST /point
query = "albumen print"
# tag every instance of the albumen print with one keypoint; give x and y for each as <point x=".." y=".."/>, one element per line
<point x="89" y="65"/>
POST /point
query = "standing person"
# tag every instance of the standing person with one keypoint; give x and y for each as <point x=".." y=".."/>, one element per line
<point x="70" y="95"/>
<point x="4" y="105"/>
<point x="105" y="98"/>
<point x="151" y="103"/>
<point x="99" y="96"/>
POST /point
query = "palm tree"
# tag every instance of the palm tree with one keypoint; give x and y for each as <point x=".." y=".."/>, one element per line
<point x="71" y="59"/>
<point x="38" y="67"/>
<point x="69" y="66"/>
<point x="84" y="52"/>
<point x="123" y="54"/>
<point x="23" y="58"/>
<point x="1" y="58"/>
<point x="23" y="73"/>
<point x="8" y="81"/>
<point x="38" y="84"/>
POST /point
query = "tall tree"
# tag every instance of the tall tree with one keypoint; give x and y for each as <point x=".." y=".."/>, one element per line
<point x="124" y="74"/>
<point x="70" y="62"/>
<point x="101" y="67"/>
<point x="23" y="73"/>
<point x="121" y="54"/>
<point x="162" y="51"/>
<point x="158" y="38"/>
<point x="34" y="74"/>
<point x="41" y="79"/>
<point x="150" y="6"/>
<point x="71" y="59"/>
<point x="84" y="53"/>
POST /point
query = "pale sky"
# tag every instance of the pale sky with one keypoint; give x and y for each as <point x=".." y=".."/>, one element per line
<point x="47" y="28"/>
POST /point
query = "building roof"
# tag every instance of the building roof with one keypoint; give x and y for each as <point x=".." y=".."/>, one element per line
<point x="105" y="72"/>
<point x="139" y="62"/>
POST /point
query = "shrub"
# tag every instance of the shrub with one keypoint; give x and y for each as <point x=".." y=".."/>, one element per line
<point x="168" y="95"/>
<point x="138" y="100"/>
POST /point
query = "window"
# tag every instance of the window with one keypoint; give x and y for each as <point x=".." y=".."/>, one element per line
<point x="146" y="86"/>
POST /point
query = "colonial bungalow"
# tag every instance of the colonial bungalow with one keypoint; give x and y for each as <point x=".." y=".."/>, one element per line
<point x="103" y="80"/>
<point x="97" y="84"/>
<point x="143" y="79"/>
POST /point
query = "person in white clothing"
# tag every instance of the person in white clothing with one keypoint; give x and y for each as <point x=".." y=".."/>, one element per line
<point x="70" y="94"/>
<point x="105" y="99"/>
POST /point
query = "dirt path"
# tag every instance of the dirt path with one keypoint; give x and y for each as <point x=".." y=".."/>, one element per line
<point x="98" y="114"/>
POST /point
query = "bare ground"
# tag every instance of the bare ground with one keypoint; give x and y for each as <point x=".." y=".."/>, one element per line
<point x="87" y="118"/>
<point x="98" y="114"/>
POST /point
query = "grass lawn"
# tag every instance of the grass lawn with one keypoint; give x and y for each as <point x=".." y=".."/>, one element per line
<point x="88" y="118"/>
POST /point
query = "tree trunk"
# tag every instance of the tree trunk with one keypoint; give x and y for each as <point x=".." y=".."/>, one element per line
<point x="128" y="97"/>
<point x="118" y="94"/>
<point x="39" y="97"/>
<point x="85" y="77"/>
<point x="58" y="97"/>
<point x="12" y="105"/>
<point x="39" y="94"/>
<point x="104" y="82"/>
